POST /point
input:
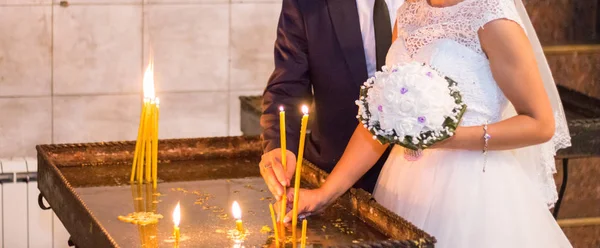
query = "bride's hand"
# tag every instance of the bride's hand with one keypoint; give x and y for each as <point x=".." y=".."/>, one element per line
<point x="309" y="202"/>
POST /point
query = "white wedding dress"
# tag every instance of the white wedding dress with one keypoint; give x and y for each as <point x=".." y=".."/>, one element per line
<point x="445" y="192"/>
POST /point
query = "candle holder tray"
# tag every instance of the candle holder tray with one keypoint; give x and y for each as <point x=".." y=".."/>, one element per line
<point x="87" y="186"/>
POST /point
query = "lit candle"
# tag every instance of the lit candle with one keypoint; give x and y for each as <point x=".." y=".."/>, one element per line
<point x="155" y="146"/>
<point x="303" y="240"/>
<point x="237" y="215"/>
<point x="176" y="219"/>
<point x="274" y="225"/>
<point x="282" y="135"/>
<point x="149" y="93"/>
<point x="143" y="154"/>
<point x="298" y="173"/>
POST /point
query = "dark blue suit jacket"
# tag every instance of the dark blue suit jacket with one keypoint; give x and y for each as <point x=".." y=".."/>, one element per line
<point x="319" y="60"/>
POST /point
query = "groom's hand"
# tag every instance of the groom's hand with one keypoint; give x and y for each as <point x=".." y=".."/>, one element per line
<point x="272" y="172"/>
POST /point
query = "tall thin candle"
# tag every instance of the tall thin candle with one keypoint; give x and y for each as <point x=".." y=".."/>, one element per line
<point x="142" y="154"/>
<point x="282" y="136"/>
<point x="283" y="141"/>
<point x="298" y="174"/>
<point x="137" y="143"/>
<point x="155" y="145"/>
<point x="149" y="141"/>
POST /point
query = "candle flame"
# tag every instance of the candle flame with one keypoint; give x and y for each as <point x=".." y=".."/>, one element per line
<point x="177" y="215"/>
<point x="280" y="108"/>
<point x="236" y="210"/>
<point x="304" y="109"/>
<point x="148" y="83"/>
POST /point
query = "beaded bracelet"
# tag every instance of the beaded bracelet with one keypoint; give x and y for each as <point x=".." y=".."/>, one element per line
<point x="486" y="138"/>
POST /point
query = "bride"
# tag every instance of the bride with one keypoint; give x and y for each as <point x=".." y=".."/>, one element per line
<point x="454" y="191"/>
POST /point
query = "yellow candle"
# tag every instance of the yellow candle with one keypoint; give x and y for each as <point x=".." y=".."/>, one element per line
<point x="148" y="162"/>
<point x="142" y="155"/>
<point x="298" y="174"/>
<point x="282" y="137"/>
<point x="237" y="215"/>
<point x="283" y="141"/>
<point x="148" y="88"/>
<point x="239" y="226"/>
<point x="176" y="220"/>
<point x="274" y="225"/>
<point x="137" y="143"/>
<point x="155" y="146"/>
<point x="282" y="214"/>
<point x="176" y="234"/>
<point x="303" y="240"/>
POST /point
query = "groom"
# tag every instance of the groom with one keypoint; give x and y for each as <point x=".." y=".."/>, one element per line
<point x="324" y="51"/>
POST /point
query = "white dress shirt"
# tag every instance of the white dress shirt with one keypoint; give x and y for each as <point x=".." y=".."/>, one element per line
<point x="365" y="15"/>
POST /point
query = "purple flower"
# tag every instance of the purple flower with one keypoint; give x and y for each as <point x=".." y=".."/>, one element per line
<point x="429" y="74"/>
<point x="403" y="90"/>
<point x="421" y="119"/>
<point x="394" y="70"/>
<point x="380" y="108"/>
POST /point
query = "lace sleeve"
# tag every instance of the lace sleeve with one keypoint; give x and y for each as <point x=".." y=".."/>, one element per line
<point x="496" y="9"/>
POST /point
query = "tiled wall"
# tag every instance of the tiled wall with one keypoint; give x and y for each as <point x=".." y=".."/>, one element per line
<point x="74" y="73"/>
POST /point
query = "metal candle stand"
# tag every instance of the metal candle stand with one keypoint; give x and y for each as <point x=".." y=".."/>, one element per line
<point x="65" y="171"/>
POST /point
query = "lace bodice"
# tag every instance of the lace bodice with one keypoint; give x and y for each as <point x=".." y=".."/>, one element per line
<point x="446" y="38"/>
<point x="419" y="24"/>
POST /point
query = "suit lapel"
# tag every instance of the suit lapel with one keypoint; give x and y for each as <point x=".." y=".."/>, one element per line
<point x="344" y="16"/>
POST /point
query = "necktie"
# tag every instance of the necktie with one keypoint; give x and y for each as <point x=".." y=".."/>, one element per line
<point x="383" y="31"/>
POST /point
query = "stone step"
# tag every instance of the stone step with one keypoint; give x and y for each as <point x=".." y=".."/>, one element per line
<point x="576" y="67"/>
<point x="560" y="22"/>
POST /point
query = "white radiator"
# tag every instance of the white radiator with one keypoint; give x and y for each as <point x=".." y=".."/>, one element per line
<point x="23" y="222"/>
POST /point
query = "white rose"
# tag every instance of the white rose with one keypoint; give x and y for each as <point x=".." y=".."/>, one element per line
<point x="406" y="126"/>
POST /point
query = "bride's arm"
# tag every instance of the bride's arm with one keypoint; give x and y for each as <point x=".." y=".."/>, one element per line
<point x="515" y="70"/>
<point x="361" y="153"/>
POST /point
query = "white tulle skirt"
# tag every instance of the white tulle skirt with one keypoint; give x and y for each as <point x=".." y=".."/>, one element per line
<point x="446" y="193"/>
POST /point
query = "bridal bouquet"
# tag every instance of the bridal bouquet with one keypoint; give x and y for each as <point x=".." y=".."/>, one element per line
<point x="410" y="105"/>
